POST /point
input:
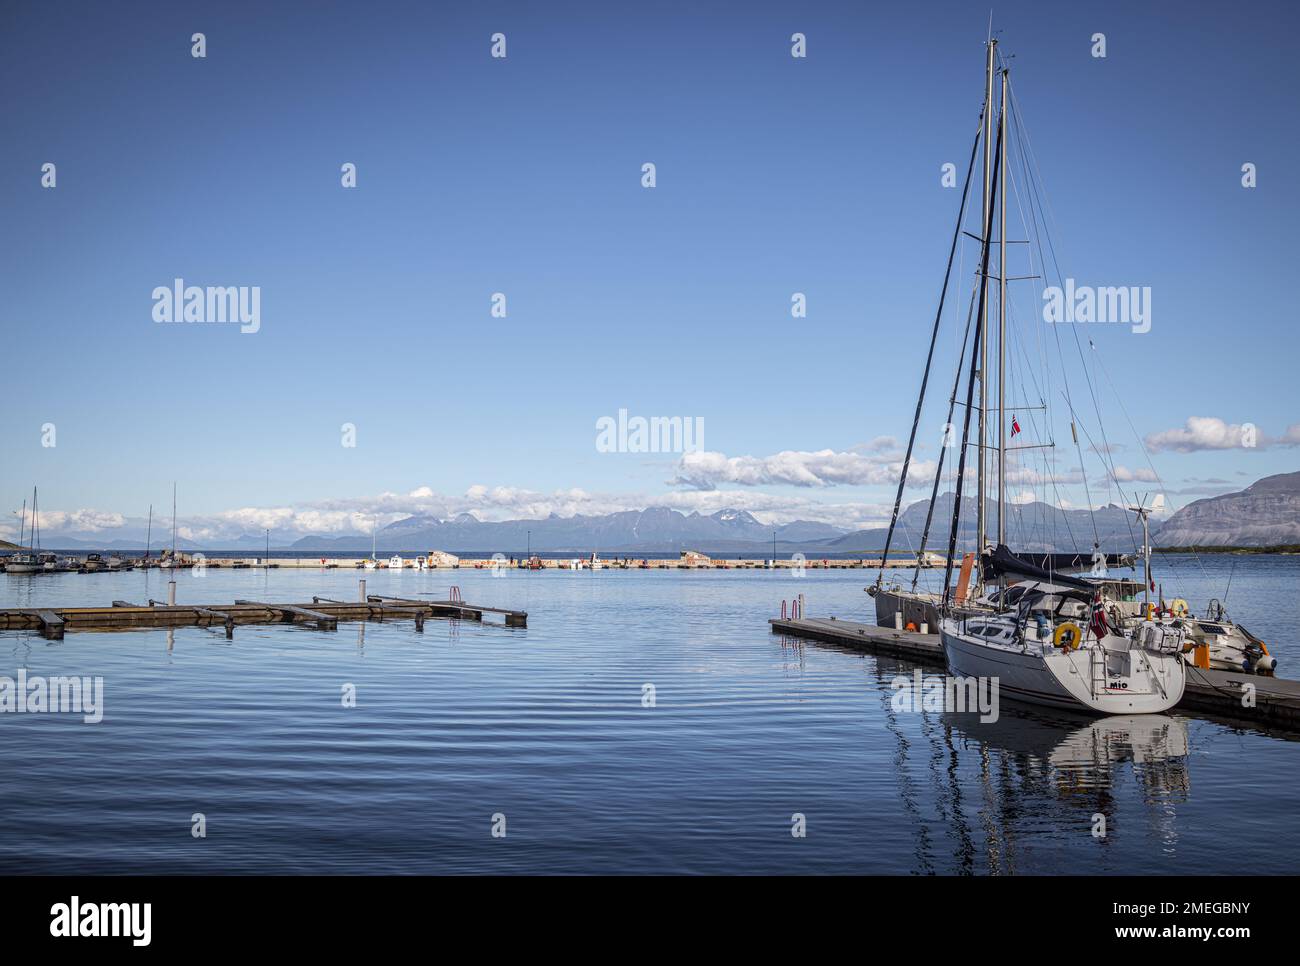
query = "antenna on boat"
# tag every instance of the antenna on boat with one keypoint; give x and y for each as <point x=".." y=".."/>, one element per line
<point x="1143" y="512"/>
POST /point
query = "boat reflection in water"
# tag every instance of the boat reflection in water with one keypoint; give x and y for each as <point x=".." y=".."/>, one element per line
<point x="1082" y="756"/>
<point x="1050" y="781"/>
<point x="1028" y="791"/>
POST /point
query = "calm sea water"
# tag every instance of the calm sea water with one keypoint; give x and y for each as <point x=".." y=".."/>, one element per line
<point x="546" y="726"/>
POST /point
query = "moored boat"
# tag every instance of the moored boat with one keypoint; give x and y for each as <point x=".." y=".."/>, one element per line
<point x="1057" y="649"/>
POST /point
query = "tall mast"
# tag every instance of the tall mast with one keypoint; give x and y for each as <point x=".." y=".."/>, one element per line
<point x="148" y="534"/>
<point x="983" y="348"/>
<point x="22" y="523"/>
<point x="986" y="230"/>
<point x="1002" y="320"/>
<point x="173" y="522"/>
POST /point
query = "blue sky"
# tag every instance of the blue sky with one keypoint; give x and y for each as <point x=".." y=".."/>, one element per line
<point x="522" y="175"/>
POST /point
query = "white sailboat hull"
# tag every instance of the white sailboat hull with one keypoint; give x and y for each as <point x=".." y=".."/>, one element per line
<point x="1078" y="680"/>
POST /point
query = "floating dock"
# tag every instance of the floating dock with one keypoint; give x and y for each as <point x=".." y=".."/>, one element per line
<point x="322" y="612"/>
<point x="1274" y="703"/>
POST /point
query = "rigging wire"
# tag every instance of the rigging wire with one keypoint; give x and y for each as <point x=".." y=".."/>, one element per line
<point x="929" y="358"/>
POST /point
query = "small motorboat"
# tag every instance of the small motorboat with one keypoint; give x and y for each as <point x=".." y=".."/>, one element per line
<point x="1215" y="641"/>
<point x="22" y="563"/>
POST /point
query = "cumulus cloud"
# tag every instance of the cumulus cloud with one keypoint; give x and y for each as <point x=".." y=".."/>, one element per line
<point x="94" y="520"/>
<point x="706" y="470"/>
<point x="1125" y="475"/>
<point x="355" y="516"/>
<point x="1201" y="433"/>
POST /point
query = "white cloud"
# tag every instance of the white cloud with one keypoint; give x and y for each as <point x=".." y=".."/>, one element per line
<point x="93" y="520"/>
<point x="1202" y="433"/>
<point x="353" y="516"/>
<point x="1125" y="475"/>
<point x="825" y="467"/>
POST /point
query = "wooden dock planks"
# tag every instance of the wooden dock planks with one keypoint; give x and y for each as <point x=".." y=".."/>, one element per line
<point x="325" y="622"/>
<point x="1267" y="702"/>
<point x="51" y="624"/>
<point x="326" y="614"/>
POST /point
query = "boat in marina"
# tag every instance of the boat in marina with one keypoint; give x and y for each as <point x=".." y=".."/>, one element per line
<point x="1216" y="641"/>
<point x="22" y="563"/>
<point x="1025" y="619"/>
<point x="168" y="559"/>
<point x="372" y="563"/>
<point x="1057" y="649"/>
<point x="28" y="561"/>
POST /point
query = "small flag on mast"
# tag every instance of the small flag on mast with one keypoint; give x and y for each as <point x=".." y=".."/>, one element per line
<point x="1015" y="425"/>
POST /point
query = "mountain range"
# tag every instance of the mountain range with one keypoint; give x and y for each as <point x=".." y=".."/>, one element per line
<point x="658" y="530"/>
<point x="654" y="529"/>
<point x="1265" y="513"/>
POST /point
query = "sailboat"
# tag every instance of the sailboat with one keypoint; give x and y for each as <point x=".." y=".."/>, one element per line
<point x="917" y="609"/>
<point x="168" y="560"/>
<point x="372" y="563"/>
<point x="148" y="539"/>
<point x="913" y="608"/>
<point x="1057" y="646"/>
<point x="27" y="561"/>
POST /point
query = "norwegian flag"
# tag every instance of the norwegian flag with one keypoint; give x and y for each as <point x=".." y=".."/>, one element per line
<point x="1015" y="425"/>
<point x="1097" y="619"/>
